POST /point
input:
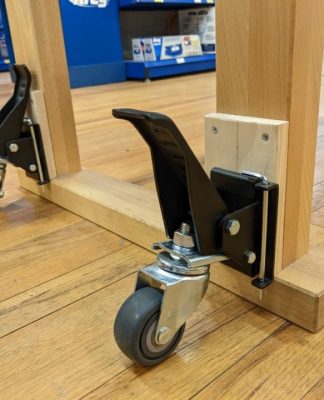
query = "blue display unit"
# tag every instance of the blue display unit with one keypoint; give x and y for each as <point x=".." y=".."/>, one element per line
<point x="162" y="4"/>
<point x="5" y="37"/>
<point x="160" y="69"/>
<point x="93" y="42"/>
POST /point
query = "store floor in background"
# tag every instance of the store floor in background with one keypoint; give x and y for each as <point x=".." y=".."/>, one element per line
<point x="62" y="280"/>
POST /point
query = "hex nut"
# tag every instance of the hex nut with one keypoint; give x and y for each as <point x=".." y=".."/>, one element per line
<point x="13" y="147"/>
<point x="250" y="257"/>
<point x="32" y="168"/>
<point x="164" y="335"/>
<point x="233" y="227"/>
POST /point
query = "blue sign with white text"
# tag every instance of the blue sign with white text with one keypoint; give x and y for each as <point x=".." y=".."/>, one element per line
<point x="90" y="3"/>
<point x="92" y="41"/>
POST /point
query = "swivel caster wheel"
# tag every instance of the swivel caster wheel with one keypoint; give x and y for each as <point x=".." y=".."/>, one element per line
<point x="135" y="328"/>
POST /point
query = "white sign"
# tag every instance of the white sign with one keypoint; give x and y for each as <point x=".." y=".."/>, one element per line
<point x="90" y="3"/>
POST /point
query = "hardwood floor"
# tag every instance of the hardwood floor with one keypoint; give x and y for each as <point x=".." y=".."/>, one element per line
<point x="62" y="280"/>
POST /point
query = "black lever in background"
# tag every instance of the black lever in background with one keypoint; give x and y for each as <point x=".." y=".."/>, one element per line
<point x="12" y="114"/>
<point x="20" y="139"/>
<point x="184" y="189"/>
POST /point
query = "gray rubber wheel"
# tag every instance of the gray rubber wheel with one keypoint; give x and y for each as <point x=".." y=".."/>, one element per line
<point x="135" y="327"/>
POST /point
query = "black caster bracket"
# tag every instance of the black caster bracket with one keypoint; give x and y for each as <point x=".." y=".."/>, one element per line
<point x="20" y="139"/>
<point x="226" y="212"/>
<point x="230" y="218"/>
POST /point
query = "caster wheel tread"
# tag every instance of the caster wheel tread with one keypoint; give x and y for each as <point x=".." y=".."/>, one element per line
<point x="135" y="327"/>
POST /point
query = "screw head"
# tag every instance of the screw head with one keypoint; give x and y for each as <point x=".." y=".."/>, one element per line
<point x="13" y="147"/>
<point x="265" y="137"/>
<point x="215" y="130"/>
<point x="250" y="257"/>
<point x="164" y="335"/>
<point x="32" y="168"/>
<point x="233" y="227"/>
<point x="2" y="193"/>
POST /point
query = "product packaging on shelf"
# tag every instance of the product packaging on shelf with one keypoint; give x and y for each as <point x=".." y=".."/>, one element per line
<point x="166" y="47"/>
<point x="200" y="21"/>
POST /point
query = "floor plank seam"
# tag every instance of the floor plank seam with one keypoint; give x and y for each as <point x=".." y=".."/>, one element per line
<point x="142" y="372"/>
<point x="65" y="273"/>
<point x="10" y="247"/>
<point x="313" y="387"/>
<point x="282" y="327"/>
<point x="103" y="384"/>
<point x="67" y="305"/>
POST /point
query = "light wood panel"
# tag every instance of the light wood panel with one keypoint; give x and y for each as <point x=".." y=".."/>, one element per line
<point x="126" y="209"/>
<point x="237" y="143"/>
<point x="37" y="36"/>
<point x="289" y="300"/>
<point x="269" y="65"/>
<point x="306" y="78"/>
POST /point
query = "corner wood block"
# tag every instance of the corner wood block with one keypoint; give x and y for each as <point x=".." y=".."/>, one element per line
<point x="251" y="144"/>
<point x="261" y="145"/>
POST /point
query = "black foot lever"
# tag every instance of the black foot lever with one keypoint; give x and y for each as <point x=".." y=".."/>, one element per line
<point x="226" y="212"/>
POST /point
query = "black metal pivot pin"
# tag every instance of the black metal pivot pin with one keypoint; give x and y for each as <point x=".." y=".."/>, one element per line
<point x="230" y="218"/>
<point x="20" y="139"/>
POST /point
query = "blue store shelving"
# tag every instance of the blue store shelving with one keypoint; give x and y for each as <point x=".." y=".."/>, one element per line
<point x="158" y="4"/>
<point x="6" y="50"/>
<point x="93" y="42"/>
<point x="178" y="66"/>
<point x="159" y="69"/>
<point x="94" y="46"/>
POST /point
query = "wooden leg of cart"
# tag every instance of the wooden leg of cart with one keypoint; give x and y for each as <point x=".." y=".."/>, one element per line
<point x="269" y="67"/>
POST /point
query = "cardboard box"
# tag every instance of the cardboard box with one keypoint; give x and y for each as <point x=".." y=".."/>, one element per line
<point x="202" y="22"/>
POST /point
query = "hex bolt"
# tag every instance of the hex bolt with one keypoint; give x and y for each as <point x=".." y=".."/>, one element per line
<point x="28" y="121"/>
<point x="13" y="147"/>
<point x="164" y="335"/>
<point x="215" y="130"/>
<point x="233" y="227"/>
<point x="250" y="257"/>
<point x="32" y="168"/>
<point x="185" y="228"/>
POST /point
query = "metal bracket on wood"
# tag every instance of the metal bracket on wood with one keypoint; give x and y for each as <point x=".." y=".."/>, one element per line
<point x="20" y="138"/>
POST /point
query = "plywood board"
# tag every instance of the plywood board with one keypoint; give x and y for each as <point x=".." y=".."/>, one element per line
<point x="252" y="144"/>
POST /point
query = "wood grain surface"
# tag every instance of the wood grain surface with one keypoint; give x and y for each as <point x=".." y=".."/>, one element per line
<point x="63" y="279"/>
